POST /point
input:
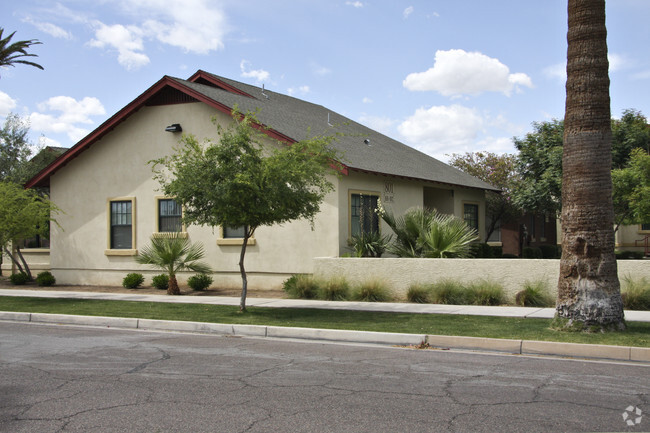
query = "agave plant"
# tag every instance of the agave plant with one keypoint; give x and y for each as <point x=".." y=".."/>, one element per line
<point x="173" y="253"/>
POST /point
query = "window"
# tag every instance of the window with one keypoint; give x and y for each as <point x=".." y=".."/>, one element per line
<point x="363" y="215"/>
<point x="645" y="227"/>
<point x="234" y="232"/>
<point x="121" y="225"/>
<point x="470" y="215"/>
<point x="170" y="215"/>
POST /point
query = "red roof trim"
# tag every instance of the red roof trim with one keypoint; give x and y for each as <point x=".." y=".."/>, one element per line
<point x="43" y="177"/>
<point x="200" y="74"/>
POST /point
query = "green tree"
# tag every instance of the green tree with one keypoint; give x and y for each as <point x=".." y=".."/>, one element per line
<point x="629" y="132"/>
<point x="172" y="254"/>
<point x="631" y="186"/>
<point x="12" y="53"/>
<point x="23" y="214"/>
<point x="588" y="288"/>
<point x="539" y="164"/>
<point x="499" y="171"/>
<point x="14" y="149"/>
<point x="240" y="182"/>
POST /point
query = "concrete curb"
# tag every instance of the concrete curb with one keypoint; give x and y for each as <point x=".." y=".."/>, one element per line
<point x="517" y="347"/>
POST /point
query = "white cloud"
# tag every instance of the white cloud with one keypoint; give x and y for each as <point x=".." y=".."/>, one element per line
<point x="72" y="112"/>
<point x="366" y="100"/>
<point x="356" y="4"/>
<point x="260" y="75"/>
<point x="320" y="70"/>
<point x="407" y="12"/>
<point x="7" y="104"/>
<point x="457" y="72"/>
<point x="442" y="129"/>
<point x="302" y="90"/>
<point x="378" y="123"/>
<point x="50" y="29"/>
<point x="556" y="71"/>
<point x="126" y="40"/>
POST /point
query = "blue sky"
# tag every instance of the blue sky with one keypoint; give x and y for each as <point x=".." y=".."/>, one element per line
<point x="441" y="76"/>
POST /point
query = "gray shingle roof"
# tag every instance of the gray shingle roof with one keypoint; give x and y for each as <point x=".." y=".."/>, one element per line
<point x="300" y="119"/>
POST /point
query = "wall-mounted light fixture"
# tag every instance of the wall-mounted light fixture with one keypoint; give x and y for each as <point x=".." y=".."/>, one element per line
<point x="176" y="127"/>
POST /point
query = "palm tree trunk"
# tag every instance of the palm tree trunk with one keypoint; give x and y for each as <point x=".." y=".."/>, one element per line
<point x="172" y="288"/>
<point x="588" y="287"/>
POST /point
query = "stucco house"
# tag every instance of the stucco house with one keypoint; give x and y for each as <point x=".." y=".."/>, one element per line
<point x="112" y="204"/>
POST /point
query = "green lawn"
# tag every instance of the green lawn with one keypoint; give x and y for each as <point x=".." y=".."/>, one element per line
<point x="637" y="334"/>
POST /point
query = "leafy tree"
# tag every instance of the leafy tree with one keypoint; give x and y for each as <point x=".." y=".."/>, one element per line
<point x="427" y="233"/>
<point x="23" y="214"/>
<point x="14" y="149"/>
<point x="628" y="133"/>
<point x="499" y="171"/>
<point x="12" y="53"/>
<point x="588" y="288"/>
<point x="539" y="164"/>
<point x="239" y="182"/>
<point x="631" y="186"/>
<point x="173" y="253"/>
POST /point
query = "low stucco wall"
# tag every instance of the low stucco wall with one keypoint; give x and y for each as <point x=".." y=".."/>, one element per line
<point x="399" y="273"/>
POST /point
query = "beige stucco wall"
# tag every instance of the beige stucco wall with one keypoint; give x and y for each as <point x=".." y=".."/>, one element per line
<point x="627" y="235"/>
<point x="399" y="274"/>
<point x="117" y="167"/>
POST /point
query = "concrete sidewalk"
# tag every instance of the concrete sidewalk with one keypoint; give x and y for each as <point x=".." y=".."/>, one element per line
<point x="522" y="347"/>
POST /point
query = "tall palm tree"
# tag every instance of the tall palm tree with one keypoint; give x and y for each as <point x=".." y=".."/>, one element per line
<point x="588" y="287"/>
<point x="173" y="254"/>
<point x="11" y="53"/>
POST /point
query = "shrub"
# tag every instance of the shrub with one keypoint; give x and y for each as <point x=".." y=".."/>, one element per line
<point x="509" y="256"/>
<point x="160" y="282"/>
<point x="45" y="279"/>
<point x="534" y="294"/>
<point x="482" y="251"/>
<point x="532" y="253"/>
<point x="199" y="282"/>
<point x="629" y="255"/>
<point x="133" y="280"/>
<point x="636" y="294"/>
<point x="497" y="252"/>
<point x="371" y="291"/>
<point x="448" y="292"/>
<point x="336" y="289"/>
<point x="549" y="251"/>
<point x="485" y="292"/>
<point x="419" y="293"/>
<point x="369" y="244"/>
<point x="19" y="279"/>
<point x="301" y="286"/>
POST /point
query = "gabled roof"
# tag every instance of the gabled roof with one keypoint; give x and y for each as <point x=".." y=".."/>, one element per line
<point x="287" y="119"/>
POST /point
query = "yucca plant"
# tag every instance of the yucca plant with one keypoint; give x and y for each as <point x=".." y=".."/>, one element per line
<point x="173" y="253"/>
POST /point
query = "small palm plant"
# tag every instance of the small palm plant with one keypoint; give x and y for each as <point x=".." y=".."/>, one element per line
<point x="173" y="254"/>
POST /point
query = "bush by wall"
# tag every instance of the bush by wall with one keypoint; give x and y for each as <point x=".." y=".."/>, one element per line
<point x="160" y="282"/>
<point x="19" y="279"/>
<point x="133" y="280"/>
<point x="45" y="279"/>
<point x="199" y="282"/>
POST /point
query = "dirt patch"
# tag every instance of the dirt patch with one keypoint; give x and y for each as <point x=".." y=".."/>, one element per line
<point x="6" y="284"/>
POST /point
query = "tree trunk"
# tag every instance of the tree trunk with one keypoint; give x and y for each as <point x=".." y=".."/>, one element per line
<point x="588" y="287"/>
<point x="242" y="270"/>
<point x="13" y="259"/>
<point x="172" y="288"/>
<point x="22" y="259"/>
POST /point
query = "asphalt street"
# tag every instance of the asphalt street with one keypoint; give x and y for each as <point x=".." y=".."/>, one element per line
<point x="57" y="378"/>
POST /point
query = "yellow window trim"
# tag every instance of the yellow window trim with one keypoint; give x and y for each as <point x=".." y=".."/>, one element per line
<point x="233" y="241"/>
<point x="361" y="192"/>
<point x="158" y="233"/>
<point x="121" y="252"/>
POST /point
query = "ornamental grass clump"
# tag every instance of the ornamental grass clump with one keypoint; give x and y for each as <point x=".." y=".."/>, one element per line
<point x="448" y="292"/>
<point x="419" y="293"/>
<point x="301" y="286"/>
<point x="636" y="293"/>
<point x="485" y="292"/>
<point x="335" y="289"/>
<point x="371" y="291"/>
<point x="535" y="294"/>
